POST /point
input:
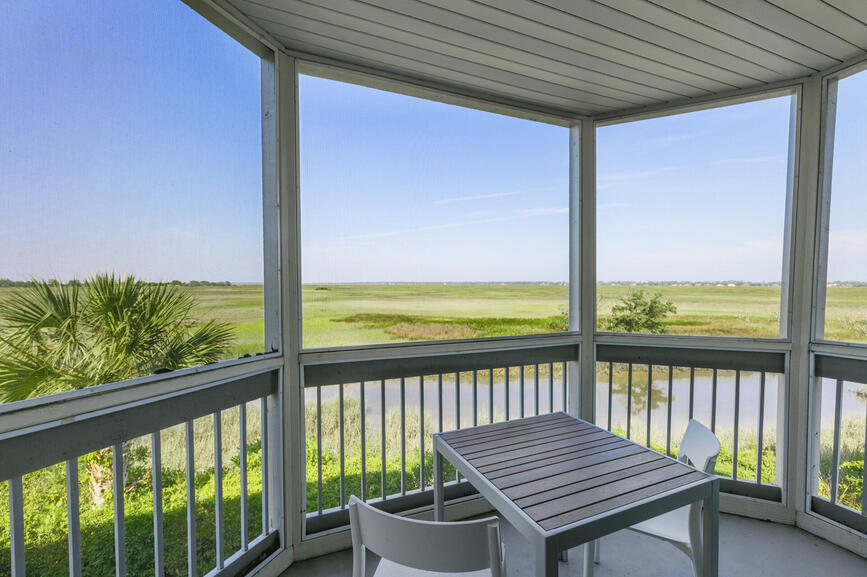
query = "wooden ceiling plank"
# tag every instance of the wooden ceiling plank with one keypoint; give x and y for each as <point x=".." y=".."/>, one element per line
<point x="304" y="41"/>
<point x="620" y="22"/>
<point x="413" y="51"/>
<point x="665" y="13"/>
<point x="748" y="31"/>
<point x="829" y="18"/>
<point x="787" y="24"/>
<point x="550" y="43"/>
<point x="549" y="26"/>
<point x="373" y="20"/>
<point x="855" y="8"/>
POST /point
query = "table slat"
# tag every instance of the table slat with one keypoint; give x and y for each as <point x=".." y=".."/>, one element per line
<point x="560" y="470"/>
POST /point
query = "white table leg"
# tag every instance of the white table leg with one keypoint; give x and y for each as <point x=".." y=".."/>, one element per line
<point x="439" y="499"/>
<point x="546" y="560"/>
<point x="589" y="549"/>
<point x="710" y="533"/>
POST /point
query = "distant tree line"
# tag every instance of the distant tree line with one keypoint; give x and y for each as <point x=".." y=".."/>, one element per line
<point x="5" y="283"/>
<point x="687" y="283"/>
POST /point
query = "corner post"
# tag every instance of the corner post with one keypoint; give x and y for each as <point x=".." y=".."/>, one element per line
<point x="582" y="277"/>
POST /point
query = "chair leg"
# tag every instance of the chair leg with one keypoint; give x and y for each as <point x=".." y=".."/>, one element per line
<point x="696" y="565"/>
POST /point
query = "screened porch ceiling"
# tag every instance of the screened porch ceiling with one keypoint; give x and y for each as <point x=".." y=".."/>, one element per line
<point x="577" y="56"/>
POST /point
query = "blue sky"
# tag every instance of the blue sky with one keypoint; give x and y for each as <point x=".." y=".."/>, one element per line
<point x="136" y="148"/>
<point x="130" y="141"/>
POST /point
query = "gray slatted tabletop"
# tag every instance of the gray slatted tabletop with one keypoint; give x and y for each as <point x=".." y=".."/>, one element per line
<point x="562" y="481"/>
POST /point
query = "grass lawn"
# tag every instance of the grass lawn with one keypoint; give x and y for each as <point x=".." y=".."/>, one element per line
<point x="361" y="314"/>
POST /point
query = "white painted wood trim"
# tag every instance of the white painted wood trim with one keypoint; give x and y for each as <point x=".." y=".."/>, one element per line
<point x="584" y="403"/>
<point x="689" y="341"/>
<point x="428" y="348"/>
<point x="796" y="416"/>
<point x="226" y="17"/>
<point x="34" y="412"/>
<point x="326" y="67"/>
<point x="728" y="98"/>
<point x="292" y="497"/>
<point x="838" y="534"/>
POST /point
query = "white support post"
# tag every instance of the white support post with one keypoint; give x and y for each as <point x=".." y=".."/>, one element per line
<point x="583" y="248"/>
<point x="805" y="203"/>
<point x="292" y="409"/>
<point x="273" y="459"/>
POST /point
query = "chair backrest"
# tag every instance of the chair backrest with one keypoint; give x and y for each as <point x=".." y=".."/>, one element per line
<point x="700" y="446"/>
<point x="426" y="545"/>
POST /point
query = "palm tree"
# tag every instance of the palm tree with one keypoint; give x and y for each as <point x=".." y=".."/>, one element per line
<point x="56" y="337"/>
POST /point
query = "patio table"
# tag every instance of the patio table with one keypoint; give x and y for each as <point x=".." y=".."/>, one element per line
<point x="563" y="482"/>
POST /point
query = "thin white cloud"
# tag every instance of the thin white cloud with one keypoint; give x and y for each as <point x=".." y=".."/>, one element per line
<point x="670" y="139"/>
<point x="494" y="194"/>
<point x="751" y="159"/>
<point x="521" y="214"/>
<point x="476" y="197"/>
<point x="543" y="211"/>
<point x="613" y="177"/>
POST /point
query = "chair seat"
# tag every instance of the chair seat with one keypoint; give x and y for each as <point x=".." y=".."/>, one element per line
<point x="671" y="526"/>
<point x="388" y="568"/>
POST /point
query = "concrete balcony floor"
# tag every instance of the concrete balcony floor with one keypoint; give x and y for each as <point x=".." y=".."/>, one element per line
<point x="747" y="548"/>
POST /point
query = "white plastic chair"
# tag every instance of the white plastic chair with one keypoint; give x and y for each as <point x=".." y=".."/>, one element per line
<point x="682" y="527"/>
<point x="408" y="547"/>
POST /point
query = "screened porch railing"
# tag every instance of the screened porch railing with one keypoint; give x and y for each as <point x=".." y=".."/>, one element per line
<point x="369" y="422"/>
<point x="649" y="393"/>
<point x="109" y="430"/>
<point x="838" y="473"/>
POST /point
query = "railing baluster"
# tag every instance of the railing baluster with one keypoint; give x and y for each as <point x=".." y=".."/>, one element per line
<point x="735" y="432"/>
<point x="563" y="383"/>
<point x="363" y="444"/>
<point x="319" y="448"/>
<point x="457" y="412"/>
<point x="342" y="449"/>
<point x="263" y="417"/>
<point x="16" y="526"/>
<point x="457" y="400"/>
<point x="649" y="400"/>
<point x="629" y="403"/>
<point x="864" y="485"/>
<point x="760" y="440"/>
<point x="157" y="485"/>
<point x="440" y="402"/>
<point x="421" y="432"/>
<point x="610" y="390"/>
<point x="550" y="387"/>
<point x="835" y="458"/>
<point x="119" y="516"/>
<point x="691" y="391"/>
<point x="402" y="436"/>
<point x="218" y="487"/>
<point x="192" y="567"/>
<point x="475" y="398"/>
<point x="242" y="455"/>
<point x="521" y="388"/>
<point x="73" y="522"/>
<point x="490" y="395"/>
<point x="536" y="385"/>
<point x="382" y="435"/>
<point x="713" y="403"/>
<point x="668" y="409"/>
<point x="508" y="386"/>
